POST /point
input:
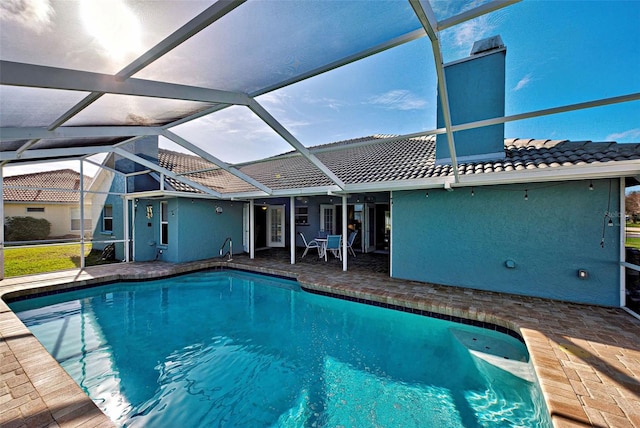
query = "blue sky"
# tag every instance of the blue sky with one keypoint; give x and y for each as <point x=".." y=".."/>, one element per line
<point x="558" y="52"/>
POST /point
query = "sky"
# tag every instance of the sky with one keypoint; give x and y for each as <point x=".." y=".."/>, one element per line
<point x="558" y="53"/>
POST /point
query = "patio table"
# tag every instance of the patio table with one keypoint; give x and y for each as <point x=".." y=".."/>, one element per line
<point x="322" y="250"/>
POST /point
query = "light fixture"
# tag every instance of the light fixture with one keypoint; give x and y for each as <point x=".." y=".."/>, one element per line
<point x="149" y="211"/>
<point x="590" y="185"/>
<point x="218" y="210"/>
<point x="583" y="274"/>
<point x="610" y="222"/>
<point x="426" y="195"/>
<point x="510" y="264"/>
<point x="526" y="195"/>
<point x="472" y="192"/>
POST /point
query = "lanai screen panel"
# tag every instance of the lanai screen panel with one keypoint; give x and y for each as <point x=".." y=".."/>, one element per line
<point x="114" y="109"/>
<point x="97" y="36"/>
<point x="262" y="44"/>
<point x="33" y="107"/>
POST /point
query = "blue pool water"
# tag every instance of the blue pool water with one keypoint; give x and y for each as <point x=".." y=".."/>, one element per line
<point x="225" y="349"/>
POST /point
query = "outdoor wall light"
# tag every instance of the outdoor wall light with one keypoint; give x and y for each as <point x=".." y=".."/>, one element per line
<point x="583" y="274"/>
<point x="218" y="210"/>
<point x="510" y="264"/>
<point x="149" y="211"/>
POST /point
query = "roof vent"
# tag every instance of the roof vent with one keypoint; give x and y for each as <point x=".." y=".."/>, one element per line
<point x="486" y="45"/>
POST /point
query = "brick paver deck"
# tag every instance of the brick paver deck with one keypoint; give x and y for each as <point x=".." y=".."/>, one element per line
<point x="587" y="358"/>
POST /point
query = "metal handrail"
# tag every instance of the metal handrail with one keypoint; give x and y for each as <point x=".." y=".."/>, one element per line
<point x="230" y="252"/>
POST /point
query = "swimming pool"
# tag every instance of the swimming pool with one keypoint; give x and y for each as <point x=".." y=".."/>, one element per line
<point x="237" y="349"/>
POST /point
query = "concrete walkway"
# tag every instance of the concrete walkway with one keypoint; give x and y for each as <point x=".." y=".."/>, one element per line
<point x="587" y="358"/>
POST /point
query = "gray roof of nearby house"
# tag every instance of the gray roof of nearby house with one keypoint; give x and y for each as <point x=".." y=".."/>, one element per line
<point x="357" y="162"/>
<point x="45" y="187"/>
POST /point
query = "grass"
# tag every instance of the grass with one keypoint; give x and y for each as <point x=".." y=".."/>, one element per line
<point x="33" y="260"/>
<point x="632" y="243"/>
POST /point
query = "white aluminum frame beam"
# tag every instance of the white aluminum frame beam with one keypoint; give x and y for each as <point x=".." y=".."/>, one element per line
<point x="55" y="154"/>
<point x="427" y="18"/>
<point x="161" y="170"/>
<point x="263" y="114"/>
<point x="40" y="133"/>
<point x="209" y="157"/>
<point x="474" y="13"/>
<point x="40" y="76"/>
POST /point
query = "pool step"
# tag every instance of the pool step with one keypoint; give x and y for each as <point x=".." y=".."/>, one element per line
<point x="496" y="352"/>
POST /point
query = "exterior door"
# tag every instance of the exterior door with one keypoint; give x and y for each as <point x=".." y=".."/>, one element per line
<point x="275" y="226"/>
<point x="369" y="228"/>
<point x="328" y="218"/>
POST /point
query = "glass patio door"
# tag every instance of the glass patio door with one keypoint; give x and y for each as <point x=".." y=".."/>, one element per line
<point x="369" y="229"/>
<point x="276" y="225"/>
<point x="328" y="218"/>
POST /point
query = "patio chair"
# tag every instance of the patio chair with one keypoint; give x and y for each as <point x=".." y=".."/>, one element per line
<point x="334" y="244"/>
<point x="352" y="237"/>
<point x="309" y="245"/>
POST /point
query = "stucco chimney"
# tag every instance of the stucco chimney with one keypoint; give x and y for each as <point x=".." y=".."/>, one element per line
<point x="476" y="91"/>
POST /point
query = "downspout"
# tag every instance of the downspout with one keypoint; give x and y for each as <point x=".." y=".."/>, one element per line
<point x="292" y="228"/>
<point x="82" y="261"/>
<point x="622" y="217"/>
<point x="252" y="230"/>
<point x="391" y="236"/>
<point x="344" y="233"/>
<point x="125" y="226"/>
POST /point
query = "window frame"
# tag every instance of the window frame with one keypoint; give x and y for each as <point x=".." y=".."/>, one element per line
<point x="164" y="223"/>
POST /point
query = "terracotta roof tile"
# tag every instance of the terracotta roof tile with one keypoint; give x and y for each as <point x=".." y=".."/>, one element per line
<point x="58" y="180"/>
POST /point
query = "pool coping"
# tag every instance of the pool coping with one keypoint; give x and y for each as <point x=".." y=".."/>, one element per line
<point x="587" y="364"/>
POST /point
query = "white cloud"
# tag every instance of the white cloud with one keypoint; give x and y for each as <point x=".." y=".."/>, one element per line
<point x="35" y="14"/>
<point x="468" y="32"/>
<point x="523" y="82"/>
<point x="630" y="135"/>
<point x="398" y="99"/>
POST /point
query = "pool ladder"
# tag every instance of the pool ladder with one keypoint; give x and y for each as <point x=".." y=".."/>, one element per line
<point x="230" y="252"/>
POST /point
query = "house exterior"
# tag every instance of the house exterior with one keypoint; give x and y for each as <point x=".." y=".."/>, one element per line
<point x="51" y="195"/>
<point x="525" y="216"/>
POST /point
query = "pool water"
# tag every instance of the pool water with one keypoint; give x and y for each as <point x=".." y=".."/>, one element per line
<point x="225" y="349"/>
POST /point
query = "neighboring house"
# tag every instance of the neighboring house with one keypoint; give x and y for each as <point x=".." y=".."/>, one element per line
<point x="52" y="195"/>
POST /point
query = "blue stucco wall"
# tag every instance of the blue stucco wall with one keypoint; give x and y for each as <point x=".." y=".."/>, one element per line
<point x="476" y="91"/>
<point x="116" y="202"/>
<point x="456" y="239"/>
<point x="195" y="231"/>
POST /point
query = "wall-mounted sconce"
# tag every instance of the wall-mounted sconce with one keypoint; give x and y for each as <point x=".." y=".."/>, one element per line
<point x="510" y="264"/>
<point x="583" y="274"/>
<point x="149" y="211"/>
<point x="218" y="210"/>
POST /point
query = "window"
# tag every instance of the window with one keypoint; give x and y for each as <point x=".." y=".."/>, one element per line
<point x="107" y="218"/>
<point x="164" y="223"/>
<point x="75" y="220"/>
<point x="302" y="215"/>
<point x="35" y="209"/>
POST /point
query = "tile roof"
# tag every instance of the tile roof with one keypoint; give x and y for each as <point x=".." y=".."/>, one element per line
<point x="356" y="162"/>
<point x="214" y="177"/>
<point x="59" y="180"/>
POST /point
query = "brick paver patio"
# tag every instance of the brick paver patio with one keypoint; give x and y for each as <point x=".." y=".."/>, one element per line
<point x="587" y="358"/>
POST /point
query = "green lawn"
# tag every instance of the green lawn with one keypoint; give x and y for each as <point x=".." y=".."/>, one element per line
<point x="632" y="242"/>
<point x="27" y="261"/>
